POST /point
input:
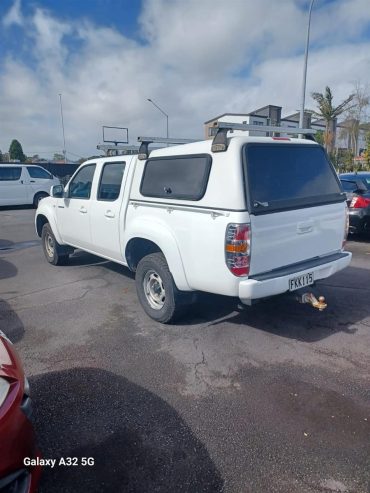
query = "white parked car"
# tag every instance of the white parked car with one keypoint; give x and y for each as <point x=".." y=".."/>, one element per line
<point x="248" y="217"/>
<point x="22" y="184"/>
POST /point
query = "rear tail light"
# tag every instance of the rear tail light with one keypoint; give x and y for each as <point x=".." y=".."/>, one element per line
<point x="359" y="203"/>
<point x="238" y="248"/>
<point x="4" y="390"/>
<point x="346" y="227"/>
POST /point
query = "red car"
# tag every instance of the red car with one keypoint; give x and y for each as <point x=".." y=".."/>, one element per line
<point x="17" y="438"/>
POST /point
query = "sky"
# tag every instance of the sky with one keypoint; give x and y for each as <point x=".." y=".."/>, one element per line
<point x="195" y="59"/>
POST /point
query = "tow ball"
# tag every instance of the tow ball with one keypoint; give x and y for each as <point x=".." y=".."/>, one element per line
<point x="311" y="299"/>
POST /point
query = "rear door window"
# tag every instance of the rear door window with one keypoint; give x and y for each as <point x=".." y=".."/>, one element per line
<point x="176" y="177"/>
<point x="111" y="180"/>
<point x="288" y="176"/>
<point x="10" y="174"/>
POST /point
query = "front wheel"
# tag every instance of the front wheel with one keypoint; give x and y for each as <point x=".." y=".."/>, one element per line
<point x="54" y="252"/>
<point x="156" y="290"/>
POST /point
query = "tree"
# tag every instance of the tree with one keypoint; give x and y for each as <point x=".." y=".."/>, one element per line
<point x="1" y="157"/>
<point x="58" y="157"/>
<point x="330" y="113"/>
<point x="16" y="152"/>
<point x="319" y="137"/>
<point x="367" y="152"/>
<point x="355" y="116"/>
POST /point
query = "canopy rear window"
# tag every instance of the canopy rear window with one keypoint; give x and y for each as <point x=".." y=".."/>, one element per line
<point x="285" y="176"/>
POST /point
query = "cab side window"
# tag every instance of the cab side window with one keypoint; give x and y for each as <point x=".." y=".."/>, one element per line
<point x="36" y="172"/>
<point x="10" y="174"/>
<point x="80" y="186"/>
<point x="111" y="180"/>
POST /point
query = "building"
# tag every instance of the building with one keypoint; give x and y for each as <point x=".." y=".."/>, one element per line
<point x="267" y="115"/>
<point x="271" y="115"/>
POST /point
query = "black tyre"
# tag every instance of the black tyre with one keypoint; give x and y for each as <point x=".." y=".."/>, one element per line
<point x="55" y="254"/>
<point x="157" y="292"/>
<point x="39" y="196"/>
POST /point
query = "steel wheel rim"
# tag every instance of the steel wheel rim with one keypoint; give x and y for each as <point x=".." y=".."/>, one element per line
<point x="49" y="245"/>
<point x="154" y="289"/>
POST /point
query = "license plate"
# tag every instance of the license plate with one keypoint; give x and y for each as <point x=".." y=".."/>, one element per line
<point x="301" y="281"/>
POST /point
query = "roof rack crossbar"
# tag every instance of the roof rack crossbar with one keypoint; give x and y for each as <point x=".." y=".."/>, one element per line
<point x="114" y="150"/>
<point x="220" y="144"/>
<point x="265" y="128"/>
<point x="166" y="140"/>
<point x="145" y="141"/>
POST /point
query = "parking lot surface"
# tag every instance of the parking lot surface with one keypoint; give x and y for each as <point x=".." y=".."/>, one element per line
<point x="274" y="398"/>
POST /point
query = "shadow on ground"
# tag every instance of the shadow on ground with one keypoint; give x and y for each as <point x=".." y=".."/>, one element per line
<point x="7" y="270"/>
<point x="347" y="295"/>
<point x="15" y="207"/>
<point x="10" y="323"/>
<point x="356" y="238"/>
<point x="139" y="443"/>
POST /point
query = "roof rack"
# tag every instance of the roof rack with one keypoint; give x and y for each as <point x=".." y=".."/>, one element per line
<point x="118" y="150"/>
<point x="145" y="141"/>
<point x="219" y="143"/>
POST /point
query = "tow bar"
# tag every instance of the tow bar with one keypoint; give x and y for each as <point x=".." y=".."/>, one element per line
<point x="311" y="299"/>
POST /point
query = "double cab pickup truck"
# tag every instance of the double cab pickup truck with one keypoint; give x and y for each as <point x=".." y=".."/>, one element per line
<point x="240" y="216"/>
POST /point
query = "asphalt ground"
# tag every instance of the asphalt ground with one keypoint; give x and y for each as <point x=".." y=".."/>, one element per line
<point x="274" y="398"/>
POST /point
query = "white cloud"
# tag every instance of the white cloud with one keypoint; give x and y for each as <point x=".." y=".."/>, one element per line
<point x="14" y="15"/>
<point x="198" y="59"/>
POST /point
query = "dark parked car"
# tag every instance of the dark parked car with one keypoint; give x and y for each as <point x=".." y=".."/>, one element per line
<point x="17" y="438"/>
<point x="357" y="188"/>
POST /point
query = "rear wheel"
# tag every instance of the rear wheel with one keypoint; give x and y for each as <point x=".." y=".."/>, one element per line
<point x="38" y="197"/>
<point x="54" y="253"/>
<point x="157" y="292"/>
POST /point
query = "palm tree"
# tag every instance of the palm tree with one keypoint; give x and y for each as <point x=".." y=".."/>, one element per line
<point x="330" y="113"/>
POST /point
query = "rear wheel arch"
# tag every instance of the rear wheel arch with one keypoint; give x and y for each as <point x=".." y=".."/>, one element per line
<point x="37" y="197"/>
<point x="137" y="249"/>
<point x="163" y="242"/>
<point x="157" y="292"/>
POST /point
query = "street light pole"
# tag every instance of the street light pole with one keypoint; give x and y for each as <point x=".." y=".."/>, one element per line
<point x="301" y="116"/>
<point x="64" y="139"/>
<point x="164" y="113"/>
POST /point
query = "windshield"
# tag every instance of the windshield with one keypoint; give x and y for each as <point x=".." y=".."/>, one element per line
<point x="348" y="186"/>
<point x="283" y="176"/>
<point x="352" y="179"/>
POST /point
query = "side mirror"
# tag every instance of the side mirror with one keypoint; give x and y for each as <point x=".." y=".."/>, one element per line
<point x="57" y="191"/>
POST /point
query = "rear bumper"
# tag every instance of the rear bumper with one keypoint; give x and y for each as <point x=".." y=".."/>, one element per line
<point x="359" y="220"/>
<point x="273" y="283"/>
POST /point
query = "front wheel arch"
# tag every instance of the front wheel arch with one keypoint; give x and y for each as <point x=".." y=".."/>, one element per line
<point x="54" y="253"/>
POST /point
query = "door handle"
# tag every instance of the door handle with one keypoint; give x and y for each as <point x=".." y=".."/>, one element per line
<point x="303" y="228"/>
<point x="109" y="214"/>
<point x="32" y="181"/>
<point x="83" y="210"/>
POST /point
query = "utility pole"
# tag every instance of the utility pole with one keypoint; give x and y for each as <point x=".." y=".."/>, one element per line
<point x="64" y="139"/>
<point x="163" y="112"/>
<point x="301" y="116"/>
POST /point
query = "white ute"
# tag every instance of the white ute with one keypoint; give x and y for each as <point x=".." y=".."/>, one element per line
<point x="248" y="217"/>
